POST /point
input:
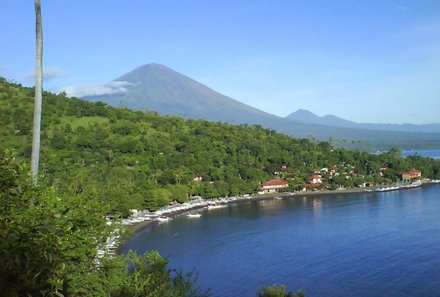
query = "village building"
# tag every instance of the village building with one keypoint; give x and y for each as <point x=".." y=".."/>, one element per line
<point x="382" y="170"/>
<point x="314" y="179"/>
<point x="282" y="169"/>
<point x="198" y="178"/>
<point x="366" y="184"/>
<point x="314" y="182"/>
<point x="410" y="175"/>
<point x="273" y="186"/>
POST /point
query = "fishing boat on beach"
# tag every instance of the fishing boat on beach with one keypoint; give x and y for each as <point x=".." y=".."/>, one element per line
<point x="163" y="219"/>
<point x="216" y="206"/>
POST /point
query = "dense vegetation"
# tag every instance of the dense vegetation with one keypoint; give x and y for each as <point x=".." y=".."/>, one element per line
<point x="132" y="159"/>
<point x="49" y="242"/>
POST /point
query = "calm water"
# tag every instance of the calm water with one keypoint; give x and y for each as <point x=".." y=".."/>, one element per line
<point x="424" y="153"/>
<point x="372" y="244"/>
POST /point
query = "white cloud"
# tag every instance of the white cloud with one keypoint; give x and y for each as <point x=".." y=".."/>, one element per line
<point x="402" y="8"/>
<point x="114" y="87"/>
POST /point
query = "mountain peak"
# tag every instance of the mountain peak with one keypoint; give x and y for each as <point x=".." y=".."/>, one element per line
<point x="159" y="88"/>
<point x="152" y="66"/>
<point x="308" y="117"/>
<point x="147" y="71"/>
<point x="302" y="115"/>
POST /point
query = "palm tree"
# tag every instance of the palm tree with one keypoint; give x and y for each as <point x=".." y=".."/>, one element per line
<point x="38" y="92"/>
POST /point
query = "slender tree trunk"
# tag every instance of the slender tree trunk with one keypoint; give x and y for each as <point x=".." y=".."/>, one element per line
<point x="36" y="131"/>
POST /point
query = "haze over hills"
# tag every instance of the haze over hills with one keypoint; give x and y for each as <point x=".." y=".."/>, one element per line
<point x="307" y="117"/>
<point x="155" y="87"/>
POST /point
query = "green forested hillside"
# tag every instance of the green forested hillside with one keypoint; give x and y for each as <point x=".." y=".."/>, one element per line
<point x="131" y="159"/>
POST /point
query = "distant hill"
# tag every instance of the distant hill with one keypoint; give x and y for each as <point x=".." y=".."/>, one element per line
<point x="155" y="87"/>
<point x="307" y="117"/>
<point x="424" y="128"/>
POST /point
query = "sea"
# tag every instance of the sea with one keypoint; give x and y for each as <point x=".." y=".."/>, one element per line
<point x="367" y="244"/>
<point x="435" y="154"/>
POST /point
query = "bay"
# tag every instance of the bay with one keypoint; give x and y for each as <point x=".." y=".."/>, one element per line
<point x="369" y="244"/>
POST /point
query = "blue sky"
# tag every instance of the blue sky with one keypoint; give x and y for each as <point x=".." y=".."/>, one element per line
<point x="366" y="61"/>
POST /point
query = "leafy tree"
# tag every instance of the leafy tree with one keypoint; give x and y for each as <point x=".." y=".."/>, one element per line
<point x="47" y="241"/>
<point x="178" y="192"/>
<point x="157" y="198"/>
<point x="149" y="277"/>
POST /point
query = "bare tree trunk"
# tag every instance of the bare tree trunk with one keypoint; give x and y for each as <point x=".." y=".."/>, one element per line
<point x="36" y="131"/>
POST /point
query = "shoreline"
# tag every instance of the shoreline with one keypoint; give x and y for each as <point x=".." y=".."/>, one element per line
<point x="170" y="213"/>
<point x="136" y="227"/>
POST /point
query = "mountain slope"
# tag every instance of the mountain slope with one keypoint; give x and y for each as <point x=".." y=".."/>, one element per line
<point x="158" y="88"/>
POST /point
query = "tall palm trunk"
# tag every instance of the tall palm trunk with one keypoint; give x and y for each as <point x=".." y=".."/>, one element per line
<point x="36" y="131"/>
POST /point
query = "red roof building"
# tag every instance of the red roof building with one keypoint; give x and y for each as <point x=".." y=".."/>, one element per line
<point x="274" y="185"/>
<point x="410" y="174"/>
<point x="314" y="179"/>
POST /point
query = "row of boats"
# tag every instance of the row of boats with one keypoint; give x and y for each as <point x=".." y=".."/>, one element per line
<point x="406" y="186"/>
<point x="164" y="214"/>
